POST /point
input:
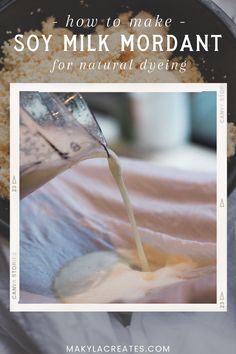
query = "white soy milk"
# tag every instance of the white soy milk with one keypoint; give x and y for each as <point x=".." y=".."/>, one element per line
<point x="116" y="172"/>
<point x="105" y="276"/>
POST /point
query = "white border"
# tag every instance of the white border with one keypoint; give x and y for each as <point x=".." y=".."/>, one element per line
<point x="221" y="90"/>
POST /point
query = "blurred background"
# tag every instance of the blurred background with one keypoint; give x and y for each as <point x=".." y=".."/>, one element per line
<point x="171" y="129"/>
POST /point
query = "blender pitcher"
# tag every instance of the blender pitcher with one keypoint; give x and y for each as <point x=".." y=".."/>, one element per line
<point x="57" y="130"/>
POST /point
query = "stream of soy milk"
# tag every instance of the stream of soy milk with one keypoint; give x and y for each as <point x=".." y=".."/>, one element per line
<point x="115" y="168"/>
<point x="108" y="277"/>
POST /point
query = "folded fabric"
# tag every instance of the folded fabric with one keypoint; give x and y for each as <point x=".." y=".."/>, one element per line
<point x="81" y="211"/>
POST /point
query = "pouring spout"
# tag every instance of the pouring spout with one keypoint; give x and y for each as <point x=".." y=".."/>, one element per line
<point x="107" y="150"/>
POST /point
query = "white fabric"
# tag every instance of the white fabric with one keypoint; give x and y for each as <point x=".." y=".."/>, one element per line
<point x="81" y="211"/>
